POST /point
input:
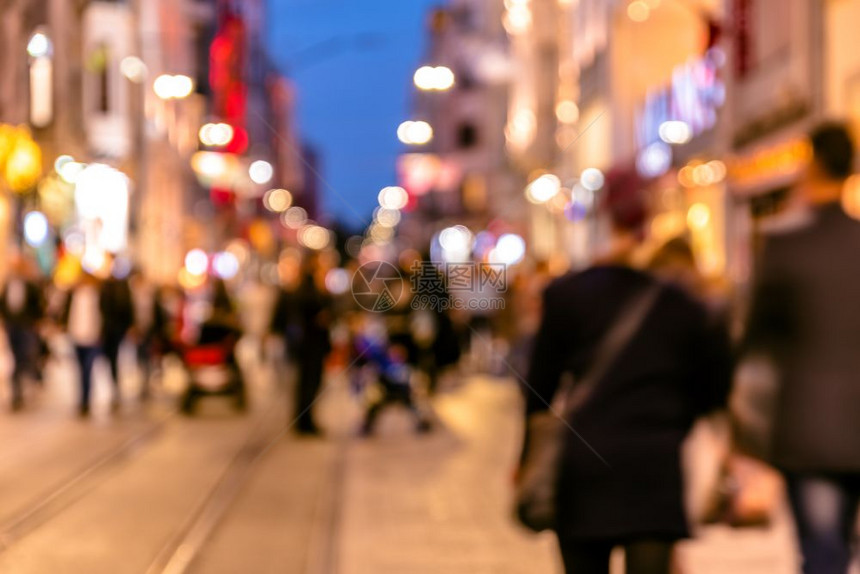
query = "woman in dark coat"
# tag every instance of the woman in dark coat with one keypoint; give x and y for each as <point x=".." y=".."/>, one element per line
<point x="620" y="480"/>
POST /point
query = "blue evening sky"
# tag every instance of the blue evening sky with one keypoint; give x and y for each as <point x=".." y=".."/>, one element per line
<point x="352" y="63"/>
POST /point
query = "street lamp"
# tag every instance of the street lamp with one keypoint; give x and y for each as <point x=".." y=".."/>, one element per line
<point x="415" y="133"/>
<point x="216" y="135"/>
<point x="261" y="172"/>
<point x="176" y="87"/>
<point x="438" y="79"/>
<point x="393" y="198"/>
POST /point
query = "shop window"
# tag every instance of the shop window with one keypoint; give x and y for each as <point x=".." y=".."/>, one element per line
<point x="99" y="65"/>
<point x="467" y="136"/>
<point x="770" y="203"/>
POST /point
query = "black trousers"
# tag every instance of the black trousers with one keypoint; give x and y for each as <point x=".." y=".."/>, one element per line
<point x="24" y="346"/>
<point x="641" y="556"/>
<point x="311" y="362"/>
<point x="111" y="346"/>
<point x="86" y="360"/>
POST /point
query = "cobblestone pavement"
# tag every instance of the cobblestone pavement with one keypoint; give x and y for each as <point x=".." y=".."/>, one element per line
<point x="395" y="503"/>
<point x="439" y="503"/>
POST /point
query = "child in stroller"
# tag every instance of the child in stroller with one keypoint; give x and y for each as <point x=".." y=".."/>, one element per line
<point x="393" y="373"/>
<point x="211" y="361"/>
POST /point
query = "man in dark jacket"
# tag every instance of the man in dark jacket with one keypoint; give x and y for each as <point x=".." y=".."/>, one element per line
<point x="806" y="317"/>
<point x="302" y="316"/>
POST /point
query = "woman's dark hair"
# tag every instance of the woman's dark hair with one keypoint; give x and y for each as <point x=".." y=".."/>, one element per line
<point x="833" y="149"/>
<point x="626" y="201"/>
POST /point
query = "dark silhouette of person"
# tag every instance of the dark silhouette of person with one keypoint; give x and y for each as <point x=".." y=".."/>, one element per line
<point x="117" y="309"/>
<point x="804" y="316"/>
<point x="312" y="343"/>
<point x="22" y="308"/>
<point x="620" y="481"/>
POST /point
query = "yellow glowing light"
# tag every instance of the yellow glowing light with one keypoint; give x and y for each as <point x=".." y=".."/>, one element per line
<point x="543" y="188"/>
<point x="567" y="112"/>
<point x="277" y="200"/>
<point x="169" y="87"/>
<point x="314" y="237"/>
<point x="380" y="233"/>
<point x="851" y="196"/>
<point x="23" y="165"/>
<point x="666" y="225"/>
<point x="294" y="217"/>
<point x="699" y="216"/>
<point x="685" y="176"/>
<point x="261" y="236"/>
<point x="521" y="129"/>
<point x="517" y="19"/>
<point x="638" y="11"/>
<point x="429" y="78"/>
<point x="718" y="169"/>
<point x="216" y="135"/>
<point x="703" y="175"/>
<point x="209" y="164"/>
<point x="387" y="217"/>
<point x="190" y="281"/>
<point x="67" y="272"/>
<point x="8" y="137"/>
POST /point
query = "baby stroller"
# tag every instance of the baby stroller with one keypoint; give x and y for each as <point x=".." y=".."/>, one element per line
<point x="212" y="367"/>
<point x="393" y="374"/>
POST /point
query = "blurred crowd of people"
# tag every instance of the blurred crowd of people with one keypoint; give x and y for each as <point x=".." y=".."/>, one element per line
<point x="97" y="314"/>
<point x="618" y="476"/>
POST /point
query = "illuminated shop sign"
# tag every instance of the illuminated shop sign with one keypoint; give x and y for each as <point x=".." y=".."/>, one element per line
<point x="784" y="160"/>
<point x="694" y="97"/>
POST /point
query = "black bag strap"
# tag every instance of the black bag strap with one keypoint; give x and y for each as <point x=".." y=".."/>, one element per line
<point x="620" y="334"/>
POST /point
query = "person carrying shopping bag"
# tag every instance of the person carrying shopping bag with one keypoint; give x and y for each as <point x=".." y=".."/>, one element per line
<point x="646" y="360"/>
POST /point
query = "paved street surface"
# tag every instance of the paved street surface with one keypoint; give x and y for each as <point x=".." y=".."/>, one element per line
<point x="148" y="491"/>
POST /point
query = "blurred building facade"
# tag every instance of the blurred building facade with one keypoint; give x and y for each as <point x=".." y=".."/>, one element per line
<point x="90" y="82"/>
<point x="703" y="104"/>
<point x="463" y="174"/>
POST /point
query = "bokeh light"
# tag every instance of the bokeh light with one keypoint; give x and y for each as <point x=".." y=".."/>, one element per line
<point x="225" y="264"/>
<point x="592" y="179"/>
<point x="294" y="217"/>
<point x="35" y="228"/>
<point x="543" y="188"/>
<point x="261" y="172"/>
<point x="277" y="200"/>
<point x="393" y="197"/>
<point x="197" y="262"/>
